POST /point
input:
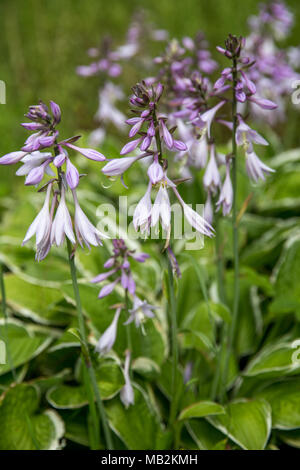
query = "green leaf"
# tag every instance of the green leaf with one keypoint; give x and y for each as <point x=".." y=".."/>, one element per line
<point x="136" y="426"/>
<point x="22" y="426"/>
<point x="247" y="423"/>
<point x="110" y="380"/>
<point x="24" y="344"/>
<point x="34" y="301"/>
<point x="274" y="360"/>
<point x="201" y="409"/>
<point x="284" y="398"/>
<point x="145" y="367"/>
<point x="204" y="434"/>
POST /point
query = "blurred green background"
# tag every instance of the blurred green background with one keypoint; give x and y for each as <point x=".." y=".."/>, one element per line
<point x="43" y="41"/>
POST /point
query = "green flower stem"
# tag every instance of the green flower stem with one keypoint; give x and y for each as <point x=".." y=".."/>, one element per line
<point x="174" y="344"/>
<point x="235" y="311"/>
<point x="222" y="297"/>
<point x="4" y="311"/>
<point x="88" y="362"/>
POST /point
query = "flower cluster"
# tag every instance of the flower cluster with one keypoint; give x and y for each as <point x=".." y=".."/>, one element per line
<point x="119" y="268"/>
<point x="154" y="137"/>
<point x="53" y="223"/>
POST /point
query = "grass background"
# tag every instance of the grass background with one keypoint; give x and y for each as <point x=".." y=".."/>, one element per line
<point x="43" y="41"/>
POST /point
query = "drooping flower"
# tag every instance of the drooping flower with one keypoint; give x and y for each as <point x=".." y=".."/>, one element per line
<point x="41" y="226"/>
<point x="142" y="213"/>
<point x="256" y="169"/>
<point x="161" y="209"/>
<point x="127" y="392"/>
<point x="208" y="116"/>
<point x="226" y="194"/>
<point x="108" y="338"/>
<point x="85" y="230"/>
<point x="211" y="179"/>
<point x="62" y="224"/>
<point x="245" y="136"/>
<point x="140" y="310"/>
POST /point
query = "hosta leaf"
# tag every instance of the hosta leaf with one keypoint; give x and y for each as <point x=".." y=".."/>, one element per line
<point x="201" y="409"/>
<point x="136" y="426"/>
<point x="23" y="344"/>
<point x="284" y="398"/>
<point x="247" y="423"/>
<point x="33" y="301"/>
<point x="23" y="427"/>
<point x="273" y="361"/>
<point x="204" y="434"/>
<point x="110" y="380"/>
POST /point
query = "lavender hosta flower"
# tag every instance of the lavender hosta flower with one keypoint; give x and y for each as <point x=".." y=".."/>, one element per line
<point x="108" y="338"/>
<point x="155" y="171"/>
<point x="84" y="229"/>
<point x="245" y="136"/>
<point x="207" y="118"/>
<point x="211" y="179"/>
<point x="127" y="392"/>
<point x="208" y="209"/>
<point x="256" y="169"/>
<point x="226" y="195"/>
<point x="161" y="209"/>
<point x="35" y="164"/>
<point x="140" y="311"/>
<point x="62" y="224"/>
<point x="142" y="213"/>
<point x="194" y="219"/>
<point x="41" y="226"/>
<point x="166" y="135"/>
<point x="108" y="288"/>
<point x="118" y="166"/>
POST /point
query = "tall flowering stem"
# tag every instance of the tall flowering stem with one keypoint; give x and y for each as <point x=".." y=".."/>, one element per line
<point x="87" y="357"/>
<point x="234" y="45"/>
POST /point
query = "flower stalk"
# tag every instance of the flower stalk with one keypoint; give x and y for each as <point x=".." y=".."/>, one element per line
<point x="88" y="361"/>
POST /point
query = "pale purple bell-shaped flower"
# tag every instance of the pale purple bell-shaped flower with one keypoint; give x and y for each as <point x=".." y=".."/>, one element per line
<point x="140" y="311"/>
<point x="208" y="116"/>
<point x="245" y="136"/>
<point x="142" y="213"/>
<point x="62" y="224"/>
<point x="256" y="169"/>
<point x="35" y="164"/>
<point x="226" y="194"/>
<point x="108" y="338"/>
<point x="208" y="209"/>
<point x="86" y="232"/>
<point x="127" y="392"/>
<point x="211" y="179"/>
<point x="194" y="219"/>
<point x="161" y="209"/>
<point x="118" y="166"/>
<point x="155" y="171"/>
<point x="108" y="288"/>
<point x="41" y="226"/>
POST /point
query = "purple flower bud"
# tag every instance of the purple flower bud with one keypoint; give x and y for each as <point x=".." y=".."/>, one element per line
<point x="130" y="146"/>
<point x="32" y="126"/>
<point x="135" y="129"/>
<point x="109" y="263"/>
<point x="140" y="257"/>
<point x="106" y="290"/>
<point x="168" y="139"/>
<point x="12" y="158"/>
<point x="263" y="103"/>
<point x="151" y="130"/>
<point x="108" y="338"/>
<point x="36" y="175"/>
<point x="72" y="175"/>
<point x="59" y="160"/>
<point x="55" y="111"/>
<point x="48" y="140"/>
<point x="179" y="145"/>
<point x="88" y="153"/>
<point x="146" y="143"/>
<point x="158" y="91"/>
